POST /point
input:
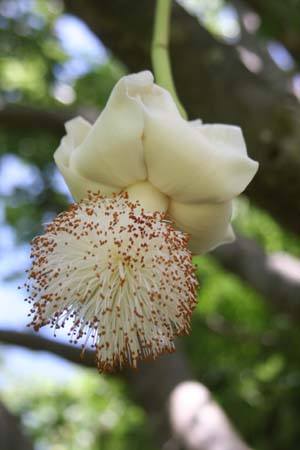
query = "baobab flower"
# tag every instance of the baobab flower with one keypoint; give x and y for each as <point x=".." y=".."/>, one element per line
<point x="151" y="187"/>
<point x="141" y="144"/>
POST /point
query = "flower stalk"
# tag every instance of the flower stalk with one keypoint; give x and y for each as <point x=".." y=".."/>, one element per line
<point x="160" y="54"/>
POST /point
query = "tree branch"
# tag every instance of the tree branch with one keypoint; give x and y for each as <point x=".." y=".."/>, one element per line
<point x="159" y="387"/>
<point x="20" y="117"/>
<point x="37" y="342"/>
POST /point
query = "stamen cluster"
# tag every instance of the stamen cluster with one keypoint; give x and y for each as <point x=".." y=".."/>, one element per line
<point x="123" y="276"/>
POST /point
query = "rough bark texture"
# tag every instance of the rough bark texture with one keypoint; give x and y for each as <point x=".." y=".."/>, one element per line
<point x="155" y="386"/>
<point x="214" y="85"/>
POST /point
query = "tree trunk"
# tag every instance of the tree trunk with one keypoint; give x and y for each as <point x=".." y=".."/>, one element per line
<point x="11" y="434"/>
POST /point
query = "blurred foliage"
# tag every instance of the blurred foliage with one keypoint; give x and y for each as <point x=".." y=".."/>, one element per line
<point x="89" y="412"/>
<point x="259" y="225"/>
<point x="279" y="19"/>
<point x="248" y="356"/>
<point x="245" y="353"/>
<point x="30" y="52"/>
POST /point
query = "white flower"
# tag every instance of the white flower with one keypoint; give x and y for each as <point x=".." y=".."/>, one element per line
<point x="124" y="277"/>
<point x="115" y="263"/>
<point x="141" y="144"/>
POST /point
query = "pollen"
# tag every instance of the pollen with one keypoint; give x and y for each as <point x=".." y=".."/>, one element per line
<point x="122" y="277"/>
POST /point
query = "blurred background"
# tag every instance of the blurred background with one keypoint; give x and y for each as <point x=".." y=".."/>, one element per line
<point x="234" y="62"/>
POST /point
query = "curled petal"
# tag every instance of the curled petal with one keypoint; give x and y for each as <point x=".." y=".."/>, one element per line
<point x="159" y="102"/>
<point x="112" y="153"/>
<point x="228" y="138"/>
<point x="208" y="224"/>
<point x="80" y="186"/>
<point x="194" y="165"/>
<point x="77" y="129"/>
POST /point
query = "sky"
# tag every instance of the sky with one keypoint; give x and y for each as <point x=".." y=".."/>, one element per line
<point x="82" y="46"/>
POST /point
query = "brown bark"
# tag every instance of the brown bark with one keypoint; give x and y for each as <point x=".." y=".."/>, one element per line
<point x="214" y="85"/>
<point x="29" y="118"/>
<point x="11" y="434"/>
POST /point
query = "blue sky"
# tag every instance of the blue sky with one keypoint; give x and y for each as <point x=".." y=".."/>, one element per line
<point x="83" y="47"/>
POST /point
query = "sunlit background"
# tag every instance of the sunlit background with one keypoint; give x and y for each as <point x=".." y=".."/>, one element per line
<point x="52" y="60"/>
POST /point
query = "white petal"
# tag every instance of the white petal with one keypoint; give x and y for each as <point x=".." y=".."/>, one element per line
<point x="208" y="224"/>
<point x="159" y="102"/>
<point x="149" y="197"/>
<point x="77" y="129"/>
<point x="229" y="138"/>
<point x="78" y="185"/>
<point x="186" y="164"/>
<point x="112" y="153"/>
